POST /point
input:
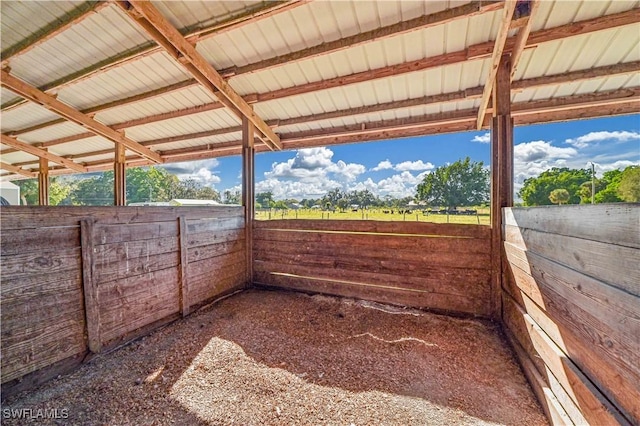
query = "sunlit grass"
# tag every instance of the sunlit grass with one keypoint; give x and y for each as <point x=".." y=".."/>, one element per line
<point x="482" y="218"/>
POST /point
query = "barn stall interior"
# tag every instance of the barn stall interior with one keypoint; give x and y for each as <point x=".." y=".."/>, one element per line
<point x="91" y="86"/>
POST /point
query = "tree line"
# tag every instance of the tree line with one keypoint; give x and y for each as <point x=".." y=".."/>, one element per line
<point x="574" y="186"/>
<point x="143" y="185"/>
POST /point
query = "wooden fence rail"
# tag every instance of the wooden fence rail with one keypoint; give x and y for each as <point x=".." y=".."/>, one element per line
<point x="87" y="279"/>
<point x="571" y="308"/>
<point x="443" y="267"/>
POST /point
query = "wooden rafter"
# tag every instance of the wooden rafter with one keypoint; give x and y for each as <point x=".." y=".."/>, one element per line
<point x="52" y="29"/>
<point x="432" y="124"/>
<point x="193" y="35"/>
<point x="41" y="153"/>
<point x="471" y="93"/>
<point x="31" y="93"/>
<point x="17" y="170"/>
<point x="425" y="21"/>
<point x="481" y="50"/>
<point x="522" y="36"/>
<point x="498" y="48"/>
<point x="170" y="38"/>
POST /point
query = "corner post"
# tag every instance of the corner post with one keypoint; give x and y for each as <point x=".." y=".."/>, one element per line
<point x="501" y="175"/>
<point x="43" y="182"/>
<point x="248" y="191"/>
<point x="119" y="176"/>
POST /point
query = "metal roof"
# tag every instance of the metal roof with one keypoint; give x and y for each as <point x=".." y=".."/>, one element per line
<point x="317" y="72"/>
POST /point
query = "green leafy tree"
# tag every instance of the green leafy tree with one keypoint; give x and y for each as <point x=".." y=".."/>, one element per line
<point x="234" y="197"/>
<point x="463" y="183"/>
<point x="28" y="191"/>
<point x="150" y="184"/>
<point x="536" y="190"/>
<point x="94" y="191"/>
<point x="629" y="187"/>
<point x="559" y="196"/>
<point x="265" y="200"/>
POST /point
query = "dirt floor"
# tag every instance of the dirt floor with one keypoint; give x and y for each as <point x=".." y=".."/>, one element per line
<point x="271" y="358"/>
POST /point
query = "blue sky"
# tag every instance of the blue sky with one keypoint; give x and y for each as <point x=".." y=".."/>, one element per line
<point x="396" y="167"/>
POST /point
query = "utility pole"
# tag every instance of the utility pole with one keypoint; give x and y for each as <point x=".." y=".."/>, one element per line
<point x="593" y="183"/>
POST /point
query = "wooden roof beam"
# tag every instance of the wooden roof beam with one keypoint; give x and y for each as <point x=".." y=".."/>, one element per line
<point x="522" y="36"/>
<point x="52" y="29"/>
<point x="196" y="64"/>
<point x="41" y="153"/>
<point x="17" y="170"/>
<point x="498" y="48"/>
<point x="616" y="102"/>
<point x="425" y="21"/>
<point x="51" y="103"/>
<point x="481" y="50"/>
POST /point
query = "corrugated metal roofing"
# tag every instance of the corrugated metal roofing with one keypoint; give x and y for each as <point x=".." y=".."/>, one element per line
<point x="77" y="59"/>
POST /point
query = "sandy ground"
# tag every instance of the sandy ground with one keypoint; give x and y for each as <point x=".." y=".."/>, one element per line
<point x="271" y="358"/>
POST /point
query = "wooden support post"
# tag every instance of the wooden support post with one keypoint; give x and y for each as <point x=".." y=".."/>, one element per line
<point x="43" y="182"/>
<point x="248" y="189"/>
<point x="184" y="264"/>
<point x="119" y="177"/>
<point x="91" y="304"/>
<point x="501" y="174"/>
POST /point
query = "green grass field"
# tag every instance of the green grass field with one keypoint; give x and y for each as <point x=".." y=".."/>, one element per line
<point x="375" y="214"/>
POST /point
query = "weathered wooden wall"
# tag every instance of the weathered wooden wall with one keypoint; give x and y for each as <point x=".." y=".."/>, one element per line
<point x="571" y="308"/>
<point x="78" y="279"/>
<point x="437" y="266"/>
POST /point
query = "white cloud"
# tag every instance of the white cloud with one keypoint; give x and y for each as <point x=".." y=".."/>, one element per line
<point x="383" y="165"/>
<point x="617" y="136"/>
<point x="540" y="150"/>
<point x="486" y="138"/>
<point x="413" y="166"/>
<point x="201" y="171"/>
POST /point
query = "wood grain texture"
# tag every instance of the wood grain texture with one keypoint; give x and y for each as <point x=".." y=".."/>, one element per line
<point x="418" y="228"/>
<point x="79" y="278"/>
<point x="595" y="406"/>
<point x="608" y="223"/>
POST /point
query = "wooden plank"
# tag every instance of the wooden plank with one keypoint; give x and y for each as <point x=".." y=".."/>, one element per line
<point x="417" y="228"/>
<point x="133" y="302"/>
<point x="107" y="254"/>
<point x="57" y="341"/>
<point x="498" y="47"/>
<point x="546" y="397"/>
<point x="359" y="258"/>
<point x="40" y="263"/>
<point x="210" y="265"/>
<point x="204" y="252"/>
<point x="15" y="169"/>
<point x="315" y="283"/>
<point x="216" y="224"/>
<point x="248" y="193"/>
<point x="141" y="266"/>
<point x="521" y="38"/>
<point x="91" y="300"/>
<point x="139" y="232"/>
<point x="462" y="282"/>
<point x="33" y="94"/>
<point x="198" y="66"/>
<point x="183" y="276"/>
<point x="380" y="241"/>
<point x="15" y="241"/>
<point x="597" y="329"/>
<point x="608" y="223"/>
<point x="594" y="405"/>
<point x="602" y="261"/>
<point x="33" y="380"/>
<point x="39" y="152"/>
<point x="26" y="217"/>
<point x="229" y="279"/>
<point x="201" y="239"/>
<point x="30" y="310"/>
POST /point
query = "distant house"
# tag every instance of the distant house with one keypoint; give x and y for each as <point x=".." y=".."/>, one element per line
<point x="150" y="203"/>
<point x="184" y="202"/>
